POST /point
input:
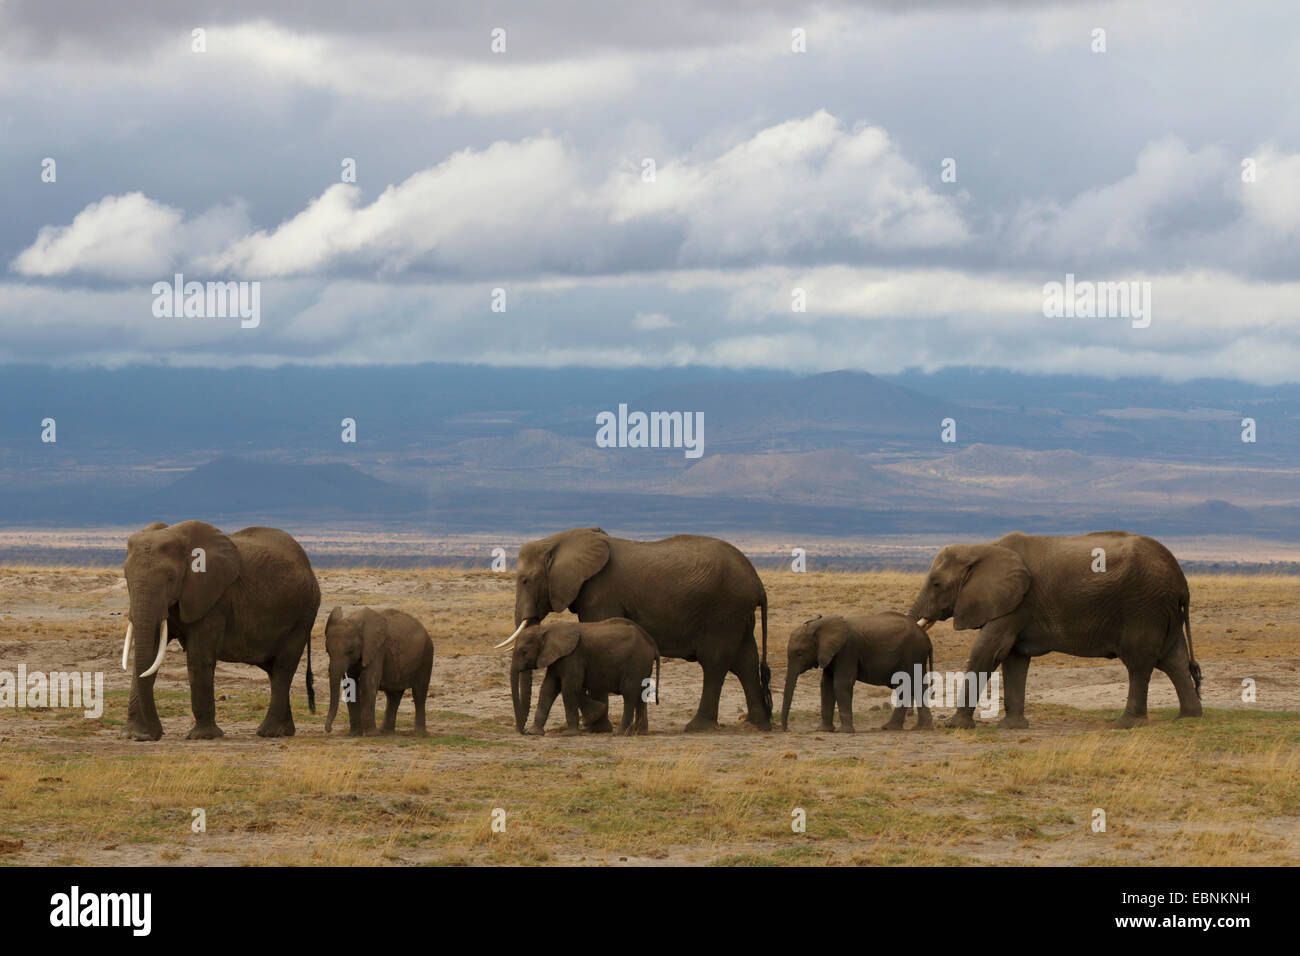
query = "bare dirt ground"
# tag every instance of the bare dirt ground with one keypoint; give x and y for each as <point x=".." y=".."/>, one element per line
<point x="1217" y="791"/>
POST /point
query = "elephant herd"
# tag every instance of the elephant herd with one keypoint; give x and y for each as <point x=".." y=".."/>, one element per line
<point x="252" y="597"/>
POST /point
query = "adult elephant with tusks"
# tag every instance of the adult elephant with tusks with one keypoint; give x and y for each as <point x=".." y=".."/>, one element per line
<point x="694" y="595"/>
<point x="1107" y="594"/>
<point x="250" y="597"/>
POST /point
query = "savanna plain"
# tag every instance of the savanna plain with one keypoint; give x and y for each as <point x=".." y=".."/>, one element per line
<point x="1224" y="790"/>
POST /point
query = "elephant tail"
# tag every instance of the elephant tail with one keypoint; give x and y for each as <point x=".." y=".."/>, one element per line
<point x="765" y="672"/>
<point x="1191" y="656"/>
<point x="311" y="688"/>
<point x="656" y="678"/>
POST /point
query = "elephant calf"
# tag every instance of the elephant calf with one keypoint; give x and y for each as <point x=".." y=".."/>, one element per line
<point x="380" y="650"/>
<point x="872" y="648"/>
<point x="585" y="660"/>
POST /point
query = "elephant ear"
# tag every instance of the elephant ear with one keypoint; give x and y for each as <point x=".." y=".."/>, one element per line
<point x="832" y="635"/>
<point x="374" y="639"/>
<point x="556" y="643"/>
<point x="575" y="557"/>
<point x="202" y="589"/>
<point x="996" y="582"/>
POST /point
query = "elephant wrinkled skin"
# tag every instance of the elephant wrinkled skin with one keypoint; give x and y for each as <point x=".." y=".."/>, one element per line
<point x="250" y="598"/>
<point x="1107" y="594"/>
<point x="695" y="596"/>
<point x="615" y="656"/>
<point x="871" y="648"/>
<point x="384" y="650"/>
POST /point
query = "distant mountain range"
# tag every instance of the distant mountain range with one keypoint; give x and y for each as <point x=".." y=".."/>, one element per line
<point x="470" y="448"/>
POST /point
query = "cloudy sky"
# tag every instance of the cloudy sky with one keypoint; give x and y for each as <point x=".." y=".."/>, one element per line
<point x="774" y="170"/>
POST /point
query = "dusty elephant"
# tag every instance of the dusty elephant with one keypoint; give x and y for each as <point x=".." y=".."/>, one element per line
<point x="615" y="656"/>
<point x="1107" y="594"/>
<point x="695" y="597"/>
<point x="384" y="650"/>
<point x="871" y="648"/>
<point x="250" y="598"/>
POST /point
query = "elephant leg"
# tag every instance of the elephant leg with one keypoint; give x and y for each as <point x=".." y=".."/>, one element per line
<point x="201" y="666"/>
<point x="924" y="719"/>
<point x="420" y="694"/>
<point x="828" y="701"/>
<point x="706" y="717"/>
<point x="545" y="698"/>
<point x="571" y="696"/>
<point x="278" y="721"/>
<point x="392" y="702"/>
<point x="990" y="649"/>
<point x="1178" y="668"/>
<point x="844" y="701"/>
<point x="745" y="667"/>
<point x="1015" y="671"/>
<point x="642" y="715"/>
<point x="1135" y="711"/>
<point x="630" y="700"/>
<point x="595" y="713"/>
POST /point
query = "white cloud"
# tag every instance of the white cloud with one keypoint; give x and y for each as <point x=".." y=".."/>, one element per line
<point x="653" y="322"/>
<point x="1273" y="200"/>
<point x="127" y="237"/>
<point x="803" y="184"/>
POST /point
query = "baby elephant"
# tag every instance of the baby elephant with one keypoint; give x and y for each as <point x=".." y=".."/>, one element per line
<point x="871" y="648"/>
<point x="592" y="660"/>
<point x="380" y="650"/>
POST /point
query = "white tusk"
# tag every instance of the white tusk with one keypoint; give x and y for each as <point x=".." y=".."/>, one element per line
<point x="924" y="623"/>
<point x="522" y="625"/>
<point x="126" y="646"/>
<point x="162" y="650"/>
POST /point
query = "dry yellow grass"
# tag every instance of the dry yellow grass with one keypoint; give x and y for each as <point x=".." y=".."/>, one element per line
<point x="1218" y="791"/>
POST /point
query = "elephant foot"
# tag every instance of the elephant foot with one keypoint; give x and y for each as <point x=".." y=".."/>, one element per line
<point x="1127" y="720"/>
<point x="1013" y="723"/>
<point x="890" y="725"/>
<point x="205" y="732"/>
<point x="571" y="732"/>
<point x="283" y="728"/>
<point x="535" y="732"/>
<point x="602" y="726"/>
<point x="961" y="721"/>
<point x="924" y="723"/>
<point x="1188" y="713"/>
<point x="826" y="729"/>
<point x="762" y="723"/>
<point x="699" y="724"/>
<point x="137" y="731"/>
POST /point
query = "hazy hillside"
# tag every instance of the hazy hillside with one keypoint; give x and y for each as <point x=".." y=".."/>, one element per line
<point x="475" y="448"/>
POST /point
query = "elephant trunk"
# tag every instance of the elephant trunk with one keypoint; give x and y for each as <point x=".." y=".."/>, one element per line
<point x="521" y="693"/>
<point x="791" y="678"/>
<point x="146" y="629"/>
<point x="336" y="682"/>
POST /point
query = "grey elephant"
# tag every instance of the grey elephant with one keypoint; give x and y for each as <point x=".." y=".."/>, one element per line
<point x="695" y="596"/>
<point x="1107" y="594"/>
<point x="250" y="597"/>
<point x="615" y="656"/>
<point x="871" y="648"/>
<point x="384" y="650"/>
